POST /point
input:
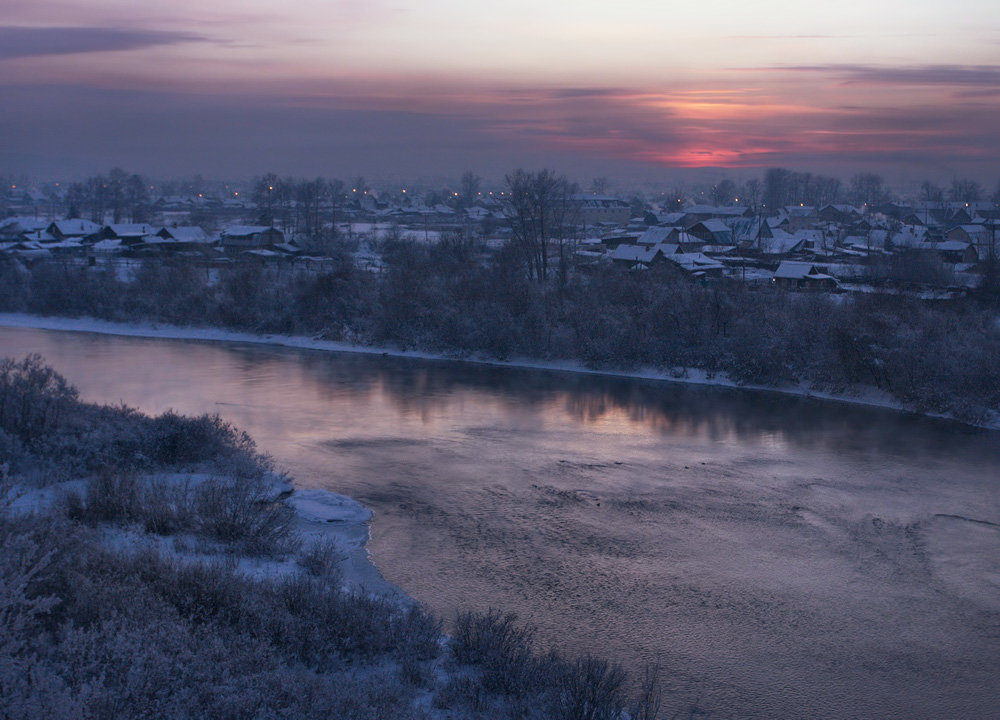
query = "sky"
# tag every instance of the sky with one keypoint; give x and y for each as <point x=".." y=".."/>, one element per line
<point x="394" y="90"/>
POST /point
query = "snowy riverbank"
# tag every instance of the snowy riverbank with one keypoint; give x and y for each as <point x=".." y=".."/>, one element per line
<point x="858" y="396"/>
<point x="323" y="519"/>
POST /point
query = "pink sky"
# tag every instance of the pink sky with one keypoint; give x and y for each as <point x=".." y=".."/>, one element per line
<point x="386" y="89"/>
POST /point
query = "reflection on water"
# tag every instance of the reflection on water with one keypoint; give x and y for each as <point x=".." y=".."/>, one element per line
<point x="781" y="557"/>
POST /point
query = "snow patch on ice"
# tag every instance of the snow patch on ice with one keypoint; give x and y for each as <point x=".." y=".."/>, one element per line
<point x="322" y="506"/>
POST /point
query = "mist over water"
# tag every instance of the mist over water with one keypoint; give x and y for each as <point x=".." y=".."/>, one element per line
<point x="780" y="557"/>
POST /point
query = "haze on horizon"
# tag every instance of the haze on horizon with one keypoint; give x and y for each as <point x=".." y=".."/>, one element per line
<point x="634" y="89"/>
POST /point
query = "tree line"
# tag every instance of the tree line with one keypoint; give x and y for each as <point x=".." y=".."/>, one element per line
<point x="458" y="297"/>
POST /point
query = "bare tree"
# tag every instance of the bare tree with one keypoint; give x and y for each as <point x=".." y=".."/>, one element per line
<point x="752" y="193"/>
<point x="137" y="197"/>
<point x="930" y="192"/>
<point x="309" y="196"/>
<point x="600" y="185"/>
<point x="470" y="188"/>
<point x="265" y="194"/>
<point x="964" y="190"/>
<point x="868" y="190"/>
<point x="724" y="192"/>
<point x="538" y="209"/>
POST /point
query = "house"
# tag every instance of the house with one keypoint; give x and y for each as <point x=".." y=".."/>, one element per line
<point x="613" y="240"/>
<point x="17" y="227"/>
<point x="697" y="264"/>
<point x="802" y="276"/>
<point x="953" y="251"/>
<point x="700" y="213"/>
<point x="747" y="230"/>
<point x="800" y="216"/>
<point x="188" y="236"/>
<point x="77" y="228"/>
<point x="128" y="233"/>
<point x="636" y="256"/>
<point x="686" y="241"/>
<point x="712" y="232"/>
<point x="251" y="236"/>
<point x="670" y="219"/>
<point x="41" y="235"/>
<point x="594" y="209"/>
<point x="979" y="235"/>
<point x="841" y="214"/>
<point x="111" y="246"/>
<point x="909" y="237"/>
<point x="781" y="243"/>
<point x="654" y="236"/>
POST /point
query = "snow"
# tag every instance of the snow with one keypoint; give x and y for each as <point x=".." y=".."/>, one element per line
<point x="322" y="506"/>
<point x="321" y="517"/>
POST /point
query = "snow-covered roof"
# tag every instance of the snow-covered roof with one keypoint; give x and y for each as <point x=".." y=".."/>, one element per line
<point x="668" y="248"/>
<point x="782" y="242"/>
<point x="695" y="262"/>
<point x="947" y="246"/>
<point x="674" y="218"/>
<point x="686" y="238"/>
<point x="187" y="233"/>
<point x="635" y="253"/>
<point x="131" y="229"/>
<point x="76" y="227"/>
<point x="17" y="225"/>
<point x="111" y="245"/>
<point x="654" y="235"/>
<point x="714" y="225"/>
<point x="245" y="230"/>
<point x="792" y="270"/>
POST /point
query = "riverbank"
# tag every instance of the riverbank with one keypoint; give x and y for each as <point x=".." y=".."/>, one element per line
<point x="860" y="395"/>
<point x="158" y="566"/>
<point x="323" y="519"/>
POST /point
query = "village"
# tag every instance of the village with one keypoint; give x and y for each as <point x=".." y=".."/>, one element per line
<point x="934" y="249"/>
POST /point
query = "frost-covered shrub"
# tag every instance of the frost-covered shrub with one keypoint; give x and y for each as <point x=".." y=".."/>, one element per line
<point x="503" y="651"/>
<point x="323" y="559"/>
<point x="33" y="398"/>
<point x="591" y="689"/>
<point x="46" y="429"/>
<point x="242" y="513"/>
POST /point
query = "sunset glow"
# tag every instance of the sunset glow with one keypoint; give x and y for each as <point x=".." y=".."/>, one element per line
<point x="630" y="87"/>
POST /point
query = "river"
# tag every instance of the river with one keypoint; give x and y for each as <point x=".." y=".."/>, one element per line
<point x="778" y="556"/>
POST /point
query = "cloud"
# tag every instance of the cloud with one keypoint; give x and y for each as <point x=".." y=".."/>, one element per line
<point x="21" y="42"/>
<point x="398" y="127"/>
<point x="948" y="75"/>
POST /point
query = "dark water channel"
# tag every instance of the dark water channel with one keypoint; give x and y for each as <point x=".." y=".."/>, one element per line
<point x="780" y="557"/>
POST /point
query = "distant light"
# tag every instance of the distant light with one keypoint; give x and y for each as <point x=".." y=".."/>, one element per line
<point x="270" y="187"/>
<point x="404" y="189"/>
<point x="736" y="199"/>
<point x="13" y="187"/>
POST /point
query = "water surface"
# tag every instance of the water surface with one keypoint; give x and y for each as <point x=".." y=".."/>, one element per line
<point x="779" y="556"/>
